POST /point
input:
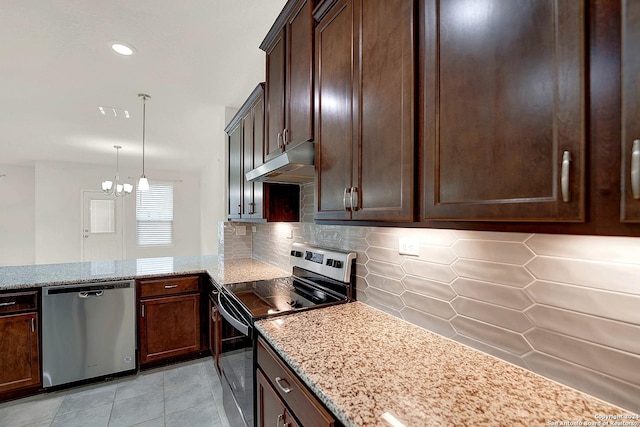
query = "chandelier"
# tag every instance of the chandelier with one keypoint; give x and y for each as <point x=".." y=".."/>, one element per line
<point x="115" y="187"/>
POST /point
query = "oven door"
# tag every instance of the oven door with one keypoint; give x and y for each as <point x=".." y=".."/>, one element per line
<point x="235" y="362"/>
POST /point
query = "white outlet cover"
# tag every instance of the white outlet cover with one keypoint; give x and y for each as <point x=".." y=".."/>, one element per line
<point x="408" y="246"/>
<point x="241" y="230"/>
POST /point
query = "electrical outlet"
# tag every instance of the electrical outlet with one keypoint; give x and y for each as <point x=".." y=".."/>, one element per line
<point x="241" y="230"/>
<point x="408" y="246"/>
<point x="254" y="229"/>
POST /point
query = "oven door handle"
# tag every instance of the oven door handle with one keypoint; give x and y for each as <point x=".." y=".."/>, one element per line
<point x="243" y="328"/>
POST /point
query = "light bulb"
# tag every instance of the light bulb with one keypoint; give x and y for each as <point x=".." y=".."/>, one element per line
<point x="128" y="188"/>
<point x="106" y="185"/>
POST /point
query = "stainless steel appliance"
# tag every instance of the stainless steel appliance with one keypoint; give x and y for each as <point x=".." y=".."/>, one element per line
<point x="293" y="166"/>
<point x="320" y="277"/>
<point x="88" y="331"/>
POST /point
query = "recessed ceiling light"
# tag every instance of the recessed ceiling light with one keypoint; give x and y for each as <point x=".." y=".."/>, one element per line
<point x="114" y="112"/>
<point x="122" y="48"/>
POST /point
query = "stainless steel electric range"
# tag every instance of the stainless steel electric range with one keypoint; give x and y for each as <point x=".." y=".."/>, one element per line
<point x="320" y="277"/>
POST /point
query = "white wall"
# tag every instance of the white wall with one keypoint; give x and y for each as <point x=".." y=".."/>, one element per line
<point x="17" y="209"/>
<point x="213" y="196"/>
<point x="58" y="222"/>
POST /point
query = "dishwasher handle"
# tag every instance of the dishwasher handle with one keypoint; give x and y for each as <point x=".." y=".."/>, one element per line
<point x="87" y="294"/>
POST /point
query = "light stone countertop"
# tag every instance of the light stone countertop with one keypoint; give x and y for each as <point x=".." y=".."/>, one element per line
<point x="221" y="270"/>
<point x="363" y="363"/>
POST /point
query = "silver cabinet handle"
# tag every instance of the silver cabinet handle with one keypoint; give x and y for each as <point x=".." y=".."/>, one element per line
<point x="5" y="304"/>
<point x="564" y="180"/>
<point x="170" y="286"/>
<point x="286" y="388"/>
<point x="285" y="136"/>
<point x="142" y="311"/>
<point x="280" y="144"/>
<point x="635" y="169"/>
<point x="33" y="324"/>
<point x="344" y="199"/>
<point x="279" y="419"/>
<point x="354" y="190"/>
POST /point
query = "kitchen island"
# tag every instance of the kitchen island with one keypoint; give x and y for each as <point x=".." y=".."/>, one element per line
<point x="221" y="270"/>
<point x="369" y="368"/>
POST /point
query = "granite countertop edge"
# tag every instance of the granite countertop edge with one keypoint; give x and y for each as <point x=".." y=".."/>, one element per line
<point x="220" y="270"/>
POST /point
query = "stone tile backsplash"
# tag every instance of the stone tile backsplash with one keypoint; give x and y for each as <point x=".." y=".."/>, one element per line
<point x="566" y="307"/>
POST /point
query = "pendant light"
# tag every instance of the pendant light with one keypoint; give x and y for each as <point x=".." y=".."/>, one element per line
<point x="115" y="187"/>
<point x="143" y="184"/>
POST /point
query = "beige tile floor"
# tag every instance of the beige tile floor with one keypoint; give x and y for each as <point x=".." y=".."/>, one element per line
<point x="185" y="394"/>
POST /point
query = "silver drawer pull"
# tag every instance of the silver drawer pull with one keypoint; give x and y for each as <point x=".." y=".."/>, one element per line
<point x="564" y="180"/>
<point x="286" y="388"/>
<point x="170" y="286"/>
<point x="5" y="304"/>
<point x="635" y="169"/>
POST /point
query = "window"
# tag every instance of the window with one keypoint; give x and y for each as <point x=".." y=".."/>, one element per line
<point x="154" y="215"/>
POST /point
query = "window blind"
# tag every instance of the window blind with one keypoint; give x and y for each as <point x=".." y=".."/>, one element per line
<point x="154" y="215"/>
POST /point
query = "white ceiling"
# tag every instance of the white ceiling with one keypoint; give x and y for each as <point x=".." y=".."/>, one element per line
<point x="194" y="57"/>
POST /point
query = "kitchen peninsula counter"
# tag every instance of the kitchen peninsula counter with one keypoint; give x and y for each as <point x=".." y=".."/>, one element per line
<point x="366" y="365"/>
<point x="221" y="270"/>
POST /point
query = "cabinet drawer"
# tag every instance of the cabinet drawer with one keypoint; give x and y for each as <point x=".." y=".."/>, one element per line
<point x="298" y="398"/>
<point x="18" y="301"/>
<point x="168" y="286"/>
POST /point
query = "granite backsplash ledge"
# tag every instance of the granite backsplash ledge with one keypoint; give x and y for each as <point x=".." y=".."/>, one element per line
<point x="563" y="306"/>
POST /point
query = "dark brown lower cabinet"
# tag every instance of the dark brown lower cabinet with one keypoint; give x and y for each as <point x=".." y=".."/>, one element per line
<point x="19" y="352"/>
<point x="169" y="327"/>
<point x="282" y="399"/>
<point x="271" y="410"/>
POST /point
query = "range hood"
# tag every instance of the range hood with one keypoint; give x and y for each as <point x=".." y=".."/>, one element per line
<point x="294" y="166"/>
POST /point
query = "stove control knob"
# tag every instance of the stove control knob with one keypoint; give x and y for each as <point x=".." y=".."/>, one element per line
<point x="308" y="255"/>
<point x="296" y="254"/>
<point x="330" y="262"/>
<point x="337" y="264"/>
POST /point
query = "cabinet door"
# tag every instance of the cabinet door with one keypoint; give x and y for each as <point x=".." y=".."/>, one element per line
<point x="384" y="183"/>
<point x="247" y="155"/>
<point x="235" y="173"/>
<point x="334" y="111"/>
<point x="630" y="111"/>
<point x="270" y="408"/>
<point x="169" y="326"/>
<point x="19" y="352"/>
<point x="257" y="118"/>
<point x="274" y="95"/>
<point x="504" y="110"/>
<point x="299" y="72"/>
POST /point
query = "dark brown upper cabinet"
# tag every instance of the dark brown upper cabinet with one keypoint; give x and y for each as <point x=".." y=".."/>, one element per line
<point x="365" y="109"/>
<point x="504" y="110"/>
<point x="255" y="201"/>
<point x="630" y="111"/>
<point x="289" y="86"/>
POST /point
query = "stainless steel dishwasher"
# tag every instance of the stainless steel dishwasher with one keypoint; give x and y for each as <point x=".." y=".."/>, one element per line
<point x="88" y="330"/>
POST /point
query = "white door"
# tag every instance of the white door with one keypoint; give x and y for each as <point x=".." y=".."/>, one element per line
<point x="102" y="219"/>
